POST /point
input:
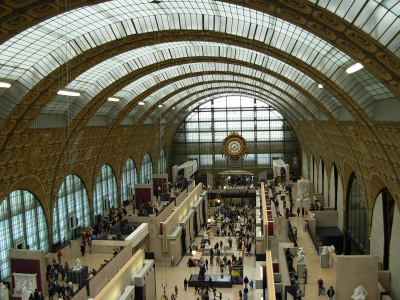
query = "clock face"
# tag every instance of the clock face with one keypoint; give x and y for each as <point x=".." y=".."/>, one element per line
<point x="234" y="147"/>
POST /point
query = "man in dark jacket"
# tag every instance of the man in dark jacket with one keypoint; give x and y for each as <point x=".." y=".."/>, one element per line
<point x="330" y="293"/>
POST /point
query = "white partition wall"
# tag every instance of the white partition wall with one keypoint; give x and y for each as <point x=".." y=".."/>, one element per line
<point x="394" y="261"/>
<point x="326" y="188"/>
<point x="304" y="166"/>
<point x="377" y="236"/>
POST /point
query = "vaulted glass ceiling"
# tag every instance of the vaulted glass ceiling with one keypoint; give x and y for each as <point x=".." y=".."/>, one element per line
<point x="36" y="52"/>
<point x="378" y="18"/>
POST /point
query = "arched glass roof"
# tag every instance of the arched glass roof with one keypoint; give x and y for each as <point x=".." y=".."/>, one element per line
<point x="377" y="18"/>
<point x="164" y="92"/>
<point x="34" y="53"/>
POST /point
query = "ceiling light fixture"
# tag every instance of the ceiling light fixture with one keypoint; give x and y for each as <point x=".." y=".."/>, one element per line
<point x="4" y="85"/>
<point x="141" y="103"/>
<point x="354" y="68"/>
<point x="68" y="93"/>
<point x="173" y="107"/>
<point x="160" y="105"/>
<point x="112" y="99"/>
<point x="320" y="86"/>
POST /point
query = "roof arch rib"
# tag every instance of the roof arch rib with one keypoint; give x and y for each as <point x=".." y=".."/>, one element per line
<point x="265" y="29"/>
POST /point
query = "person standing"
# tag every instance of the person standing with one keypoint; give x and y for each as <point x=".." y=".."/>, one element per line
<point x="305" y="275"/>
<point x="83" y="249"/>
<point x="320" y="283"/>
<point x="185" y="282"/>
<point x="246" y="281"/>
<point x="59" y="254"/>
<point x="330" y="293"/>
<point x="302" y="211"/>
<point x="298" y="211"/>
<point x="206" y="264"/>
<point x="176" y="290"/>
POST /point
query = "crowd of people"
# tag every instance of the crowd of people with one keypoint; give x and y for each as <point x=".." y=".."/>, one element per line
<point x="56" y="275"/>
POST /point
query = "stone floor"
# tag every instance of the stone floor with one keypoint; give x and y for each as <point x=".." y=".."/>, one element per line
<point x="171" y="276"/>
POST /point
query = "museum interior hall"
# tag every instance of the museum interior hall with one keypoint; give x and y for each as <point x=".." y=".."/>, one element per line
<point x="247" y="147"/>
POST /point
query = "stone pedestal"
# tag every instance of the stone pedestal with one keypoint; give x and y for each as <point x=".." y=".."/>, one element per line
<point x="324" y="260"/>
<point x="301" y="265"/>
<point x="77" y="275"/>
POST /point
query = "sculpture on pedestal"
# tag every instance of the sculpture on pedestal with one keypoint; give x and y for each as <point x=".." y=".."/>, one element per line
<point x="331" y="249"/>
<point x="324" y="250"/>
<point x="78" y="264"/>
<point x="300" y="254"/>
<point x="360" y="293"/>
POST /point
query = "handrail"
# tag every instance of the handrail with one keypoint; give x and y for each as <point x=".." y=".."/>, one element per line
<point x="265" y="216"/>
<point x="270" y="276"/>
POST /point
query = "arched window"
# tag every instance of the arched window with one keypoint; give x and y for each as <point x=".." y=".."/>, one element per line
<point x="146" y="173"/>
<point x="72" y="201"/>
<point x="162" y="163"/>
<point x="129" y="179"/>
<point x="267" y="132"/>
<point x="106" y="192"/>
<point x="357" y="220"/>
<point x="22" y="224"/>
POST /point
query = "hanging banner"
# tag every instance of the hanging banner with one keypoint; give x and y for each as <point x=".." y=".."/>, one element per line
<point x="237" y="274"/>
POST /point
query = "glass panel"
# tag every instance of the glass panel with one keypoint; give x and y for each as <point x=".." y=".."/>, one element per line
<point x="262" y="141"/>
<point x="106" y="192"/>
<point x="22" y="220"/>
<point x="72" y="201"/>
<point x="357" y="215"/>
<point x="146" y="173"/>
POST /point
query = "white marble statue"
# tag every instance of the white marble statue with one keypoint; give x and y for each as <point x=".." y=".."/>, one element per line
<point x="360" y="293"/>
<point x="3" y="292"/>
<point x="300" y="254"/>
<point x="324" y="250"/>
<point x="303" y="193"/>
<point x="78" y="264"/>
<point x="331" y="249"/>
<point x="312" y="216"/>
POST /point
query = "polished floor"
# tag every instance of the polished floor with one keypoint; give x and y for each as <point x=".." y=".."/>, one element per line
<point x="170" y="276"/>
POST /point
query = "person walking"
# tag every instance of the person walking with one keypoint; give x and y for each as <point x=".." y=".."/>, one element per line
<point x="302" y="211"/>
<point x="330" y="293"/>
<point x="206" y="264"/>
<point x="298" y="211"/>
<point x="185" y="282"/>
<point x="176" y="290"/>
<point x="251" y="283"/>
<point x="320" y="283"/>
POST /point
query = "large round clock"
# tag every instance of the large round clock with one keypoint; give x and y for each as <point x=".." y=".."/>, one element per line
<point x="234" y="147"/>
